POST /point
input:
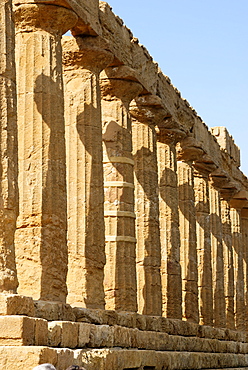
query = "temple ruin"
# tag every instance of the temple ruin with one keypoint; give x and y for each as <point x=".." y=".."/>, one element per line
<point x="124" y="218"/>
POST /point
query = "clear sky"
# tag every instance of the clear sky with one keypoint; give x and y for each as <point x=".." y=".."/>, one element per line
<point x="202" y="46"/>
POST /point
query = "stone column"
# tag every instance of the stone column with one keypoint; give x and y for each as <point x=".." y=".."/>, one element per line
<point x="42" y="223"/>
<point x="169" y="227"/>
<point x="228" y="263"/>
<point x="118" y="88"/>
<point x="8" y="151"/>
<point x="244" y="225"/>
<point x="238" y="255"/>
<point x="188" y="255"/>
<point x="204" y="253"/>
<point x="146" y="112"/>
<point x="188" y="150"/>
<point x="219" y="314"/>
<point x="83" y="60"/>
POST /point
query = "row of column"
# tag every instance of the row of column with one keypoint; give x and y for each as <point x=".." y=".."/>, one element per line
<point x="147" y="231"/>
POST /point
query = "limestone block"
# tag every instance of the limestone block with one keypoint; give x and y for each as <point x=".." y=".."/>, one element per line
<point x="110" y="317"/>
<point x="226" y="142"/>
<point x="65" y="358"/>
<point x="88" y="315"/>
<point x="17" y="330"/>
<point x="127" y="319"/>
<point x="14" y="304"/>
<point x="84" y="334"/>
<point x="27" y="357"/>
<point x="122" y="337"/>
<point x="154" y="323"/>
<point x="41" y="332"/>
<point x="53" y="311"/>
<point x="54" y="334"/>
<point x="101" y="336"/>
<point x="141" y="322"/>
<point x="69" y="333"/>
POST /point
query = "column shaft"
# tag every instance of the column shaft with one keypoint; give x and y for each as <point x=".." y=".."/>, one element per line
<point x="120" y="269"/>
<point x="203" y="248"/>
<point x="169" y="231"/>
<point x="244" y="226"/>
<point x="85" y="198"/>
<point x="239" y="299"/>
<point x="228" y="263"/>
<point x="8" y="151"/>
<point x="42" y="222"/>
<point x="147" y="219"/>
<point x="188" y="255"/>
<point x="219" y="314"/>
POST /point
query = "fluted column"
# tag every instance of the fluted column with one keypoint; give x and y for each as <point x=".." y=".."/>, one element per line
<point x="204" y="252"/>
<point x="42" y="223"/>
<point x="83" y="60"/>
<point x="244" y="225"/>
<point x="8" y="151"/>
<point x="219" y="314"/>
<point x="239" y="299"/>
<point x="228" y="263"/>
<point x="146" y="113"/>
<point x="118" y="89"/>
<point x="188" y="255"/>
<point x="169" y="227"/>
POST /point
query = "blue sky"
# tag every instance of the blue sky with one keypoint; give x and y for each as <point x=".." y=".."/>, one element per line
<point x="202" y="46"/>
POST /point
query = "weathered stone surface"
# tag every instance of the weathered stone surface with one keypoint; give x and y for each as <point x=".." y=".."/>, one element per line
<point x="40" y="237"/>
<point x="219" y="315"/>
<point x="26" y="356"/>
<point x="205" y="282"/>
<point x="63" y="334"/>
<point x="148" y="255"/>
<point x="118" y="88"/>
<point x="53" y="311"/>
<point x="8" y="151"/>
<point x="169" y="230"/>
<point x="188" y="251"/>
<point x="83" y="59"/>
<point x="17" y="330"/>
<point x="238" y="255"/>
<point x="101" y="336"/>
<point x="84" y="331"/>
<point x="14" y="304"/>
<point x="190" y="225"/>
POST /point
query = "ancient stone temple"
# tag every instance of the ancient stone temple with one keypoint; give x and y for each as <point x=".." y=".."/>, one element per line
<point x="123" y="217"/>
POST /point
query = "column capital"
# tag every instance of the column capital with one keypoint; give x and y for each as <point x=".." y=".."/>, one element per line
<point x="43" y="17"/>
<point x="244" y="213"/>
<point x="189" y="149"/>
<point x="147" y="109"/>
<point x="170" y="135"/>
<point x="92" y="53"/>
<point x="240" y="200"/>
<point x="205" y="165"/>
<point x="121" y="82"/>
